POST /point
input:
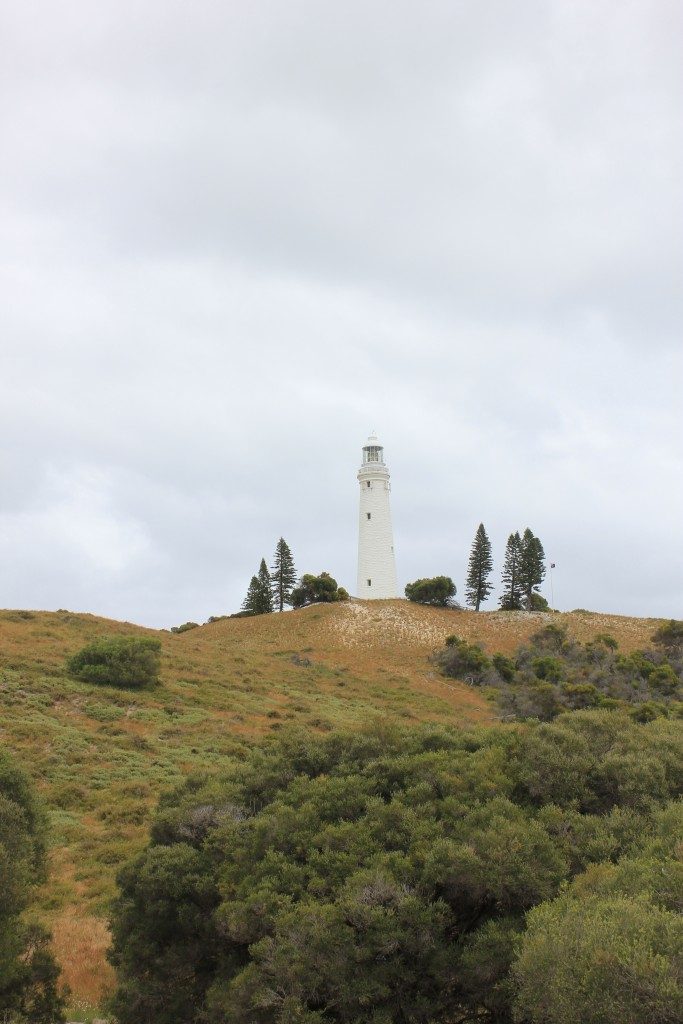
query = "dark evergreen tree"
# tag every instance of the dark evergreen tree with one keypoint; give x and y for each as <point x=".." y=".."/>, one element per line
<point x="477" y="587"/>
<point x="511" y="598"/>
<point x="531" y="568"/>
<point x="283" y="575"/>
<point x="259" y="599"/>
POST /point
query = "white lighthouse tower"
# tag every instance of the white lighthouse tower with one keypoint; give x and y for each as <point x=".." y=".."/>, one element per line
<point x="376" y="563"/>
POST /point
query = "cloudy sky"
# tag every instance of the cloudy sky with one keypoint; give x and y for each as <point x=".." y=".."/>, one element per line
<point x="238" y="236"/>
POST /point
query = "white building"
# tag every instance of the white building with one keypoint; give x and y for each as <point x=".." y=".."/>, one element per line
<point x="376" y="563"/>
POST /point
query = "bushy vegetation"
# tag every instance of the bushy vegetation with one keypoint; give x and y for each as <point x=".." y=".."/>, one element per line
<point x="187" y="625"/>
<point x="28" y="973"/>
<point x="609" y="948"/>
<point x="387" y="876"/>
<point x="316" y="589"/>
<point x="552" y="674"/>
<point x="130" y="661"/>
<point x="438" y="591"/>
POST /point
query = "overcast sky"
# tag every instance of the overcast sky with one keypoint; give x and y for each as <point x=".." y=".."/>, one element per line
<point x="239" y="236"/>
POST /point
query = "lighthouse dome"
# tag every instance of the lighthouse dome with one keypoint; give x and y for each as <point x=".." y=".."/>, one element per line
<point x="373" y="452"/>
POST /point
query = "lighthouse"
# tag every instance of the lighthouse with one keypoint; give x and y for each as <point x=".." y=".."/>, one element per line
<point x="376" y="563"/>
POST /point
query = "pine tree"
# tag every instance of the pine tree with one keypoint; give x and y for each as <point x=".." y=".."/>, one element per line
<point x="477" y="587"/>
<point x="511" y="598"/>
<point x="531" y="567"/>
<point x="259" y="600"/>
<point x="283" y="575"/>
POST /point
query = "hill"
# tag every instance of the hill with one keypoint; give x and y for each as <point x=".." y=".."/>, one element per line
<point x="101" y="756"/>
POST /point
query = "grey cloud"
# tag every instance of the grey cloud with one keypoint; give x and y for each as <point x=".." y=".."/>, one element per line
<point x="238" y="237"/>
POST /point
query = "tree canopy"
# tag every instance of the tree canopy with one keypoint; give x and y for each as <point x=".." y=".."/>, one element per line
<point x="28" y="973"/>
<point x="386" y="875"/>
<point x="438" y="591"/>
<point x="317" y="589"/>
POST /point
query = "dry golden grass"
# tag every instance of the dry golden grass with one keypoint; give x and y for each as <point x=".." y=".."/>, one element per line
<point x="80" y="944"/>
<point x="101" y="757"/>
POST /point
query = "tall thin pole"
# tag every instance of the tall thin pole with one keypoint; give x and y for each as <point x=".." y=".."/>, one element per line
<point x="552" y="595"/>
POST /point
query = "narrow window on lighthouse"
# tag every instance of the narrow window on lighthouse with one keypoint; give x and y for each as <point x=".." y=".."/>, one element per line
<point x="369" y="583"/>
<point x="368" y="483"/>
<point x="368" y="514"/>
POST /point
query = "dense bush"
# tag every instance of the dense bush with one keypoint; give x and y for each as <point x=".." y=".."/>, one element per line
<point x="463" y="661"/>
<point x="552" y="674"/>
<point x="131" y="661"/>
<point x="187" y="625"/>
<point x="609" y="948"/>
<point x="670" y="636"/>
<point x="28" y="973"/>
<point x="438" y="591"/>
<point x="385" y="876"/>
<point x="315" y="589"/>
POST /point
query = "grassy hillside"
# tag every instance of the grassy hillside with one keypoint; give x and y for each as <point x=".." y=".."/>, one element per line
<point x="100" y="756"/>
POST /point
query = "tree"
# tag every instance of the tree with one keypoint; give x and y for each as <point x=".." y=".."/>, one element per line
<point x="531" y="567"/>
<point x="317" y="589"/>
<point x="383" y="874"/>
<point x="438" y="591"/>
<point x="129" y="661"/>
<point x="28" y="972"/>
<point x="511" y="598"/>
<point x="259" y="599"/>
<point x="477" y="587"/>
<point x="283" y="574"/>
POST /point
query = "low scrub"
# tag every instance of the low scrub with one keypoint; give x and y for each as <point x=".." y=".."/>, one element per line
<point x="552" y="674"/>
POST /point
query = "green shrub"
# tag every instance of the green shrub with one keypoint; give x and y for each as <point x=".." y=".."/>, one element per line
<point x="123" y="661"/>
<point x="607" y="640"/>
<point x="548" y="668"/>
<point x="438" y="591"/>
<point x="316" y="589"/>
<point x="461" y="660"/>
<point x="669" y="636"/>
<point x="505" y="667"/>
<point x="185" y="626"/>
